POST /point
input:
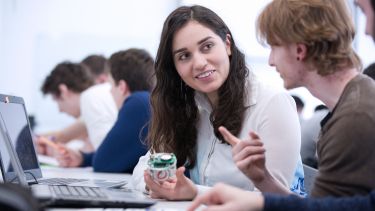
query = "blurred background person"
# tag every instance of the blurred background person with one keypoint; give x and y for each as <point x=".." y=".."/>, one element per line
<point x="131" y="81"/>
<point x="72" y="88"/>
<point x="98" y="66"/>
<point x="300" y="106"/>
<point x="310" y="130"/>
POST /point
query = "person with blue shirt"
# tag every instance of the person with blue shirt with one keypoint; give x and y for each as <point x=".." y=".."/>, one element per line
<point x="131" y="80"/>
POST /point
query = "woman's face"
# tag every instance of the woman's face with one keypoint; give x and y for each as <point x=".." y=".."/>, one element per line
<point x="201" y="58"/>
<point x="367" y="9"/>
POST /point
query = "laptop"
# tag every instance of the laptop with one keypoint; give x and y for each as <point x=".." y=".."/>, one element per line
<point x="14" y="115"/>
<point x="12" y="111"/>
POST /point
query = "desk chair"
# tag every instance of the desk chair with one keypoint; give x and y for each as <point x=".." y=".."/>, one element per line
<point x="310" y="174"/>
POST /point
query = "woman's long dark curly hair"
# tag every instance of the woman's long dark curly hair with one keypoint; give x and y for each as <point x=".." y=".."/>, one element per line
<point x="173" y="126"/>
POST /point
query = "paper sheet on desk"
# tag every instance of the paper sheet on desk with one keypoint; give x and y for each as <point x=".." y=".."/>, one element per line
<point x="43" y="159"/>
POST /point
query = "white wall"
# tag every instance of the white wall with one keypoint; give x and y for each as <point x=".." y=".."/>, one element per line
<point x="38" y="34"/>
<point x="35" y="35"/>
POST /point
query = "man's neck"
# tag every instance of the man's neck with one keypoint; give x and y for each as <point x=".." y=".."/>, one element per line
<point x="329" y="88"/>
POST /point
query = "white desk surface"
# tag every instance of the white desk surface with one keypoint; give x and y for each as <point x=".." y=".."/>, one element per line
<point x="87" y="173"/>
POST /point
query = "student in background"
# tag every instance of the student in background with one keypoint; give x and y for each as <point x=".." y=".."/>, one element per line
<point x="131" y="80"/>
<point x="300" y="105"/>
<point x="310" y="130"/>
<point x="367" y="7"/>
<point x="202" y="82"/>
<point x="72" y="88"/>
<point x="223" y="197"/>
<point x="97" y="65"/>
<point x="370" y="71"/>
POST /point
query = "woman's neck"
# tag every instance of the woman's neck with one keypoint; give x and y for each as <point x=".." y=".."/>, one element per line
<point x="213" y="98"/>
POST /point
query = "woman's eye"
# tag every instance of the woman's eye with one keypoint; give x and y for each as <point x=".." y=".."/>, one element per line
<point x="182" y="57"/>
<point x="207" y="46"/>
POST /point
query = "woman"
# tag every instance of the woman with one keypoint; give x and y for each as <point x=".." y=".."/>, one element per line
<point x="203" y="83"/>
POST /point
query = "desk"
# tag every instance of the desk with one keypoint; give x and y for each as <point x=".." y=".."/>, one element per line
<point x="87" y="173"/>
<point x="82" y="173"/>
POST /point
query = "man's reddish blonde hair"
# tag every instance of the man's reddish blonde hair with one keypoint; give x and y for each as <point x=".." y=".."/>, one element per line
<point x="324" y="26"/>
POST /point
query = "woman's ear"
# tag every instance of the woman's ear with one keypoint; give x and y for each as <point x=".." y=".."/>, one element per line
<point x="228" y="44"/>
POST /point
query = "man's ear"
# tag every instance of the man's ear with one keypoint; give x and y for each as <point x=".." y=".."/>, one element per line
<point x="123" y="87"/>
<point x="64" y="90"/>
<point x="301" y="51"/>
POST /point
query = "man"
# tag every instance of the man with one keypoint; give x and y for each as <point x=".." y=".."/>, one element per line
<point x="72" y="87"/>
<point x="98" y="67"/>
<point x="370" y="71"/>
<point x="368" y="8"/>
<point x="300" y="106"/>
<point x="131" y="72"/>
<point x="340" y="92"/>
<point x="310" y="134"/>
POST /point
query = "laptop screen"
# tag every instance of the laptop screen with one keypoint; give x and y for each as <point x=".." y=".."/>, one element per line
<point x="14" y="120"/>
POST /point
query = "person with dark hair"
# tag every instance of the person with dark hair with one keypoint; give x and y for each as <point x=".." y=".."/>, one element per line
<point x="299" y="103"/>
<point x="310" y="130"/>
<point x="131" y="80"/>
<point x="64" y="76"/>
<point x="320" y="108"/>
<point x="346" y="161"/>
<point x="202" y="83"/>
<point x="72" y="87"/>
<point x="98" y="66"/>
<point x="370" y="71"/>
<point x="368" y="8"/>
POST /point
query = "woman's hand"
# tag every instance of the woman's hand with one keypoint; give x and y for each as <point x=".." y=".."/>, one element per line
<point x="179" y="188"/>
<point x="248" y="154"/>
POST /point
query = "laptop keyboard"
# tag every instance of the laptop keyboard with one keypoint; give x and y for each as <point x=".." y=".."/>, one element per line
<point x="59" y="181"/>
<point x="78" y="192"/>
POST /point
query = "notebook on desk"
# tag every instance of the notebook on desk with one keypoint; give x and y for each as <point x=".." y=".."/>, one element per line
<point x="12" y="110"/>
<point x="15" y="121"/>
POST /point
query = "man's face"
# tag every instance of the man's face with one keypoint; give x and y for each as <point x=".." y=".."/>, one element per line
<point x="68" y="103"/>
<point x="117" y="92"/>
<point x="368" y="11"/>
<point x="283" y="58"/>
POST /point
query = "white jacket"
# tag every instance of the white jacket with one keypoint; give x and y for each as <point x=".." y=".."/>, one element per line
<point x="271" y="114"/>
